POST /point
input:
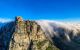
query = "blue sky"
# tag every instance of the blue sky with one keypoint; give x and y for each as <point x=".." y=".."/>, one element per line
<point x="64" y="10"/>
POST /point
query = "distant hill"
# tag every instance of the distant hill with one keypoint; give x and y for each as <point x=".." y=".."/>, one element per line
<point x="2" y="24"/>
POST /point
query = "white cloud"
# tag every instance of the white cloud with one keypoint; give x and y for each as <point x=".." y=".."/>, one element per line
<point x="3" y="20"/>
<point x="52" y="28"/>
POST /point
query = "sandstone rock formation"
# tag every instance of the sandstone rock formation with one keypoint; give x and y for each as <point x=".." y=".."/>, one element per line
<point x="24" y="35"/>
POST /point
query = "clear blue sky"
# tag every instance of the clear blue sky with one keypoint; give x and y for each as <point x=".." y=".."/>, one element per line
<point x="41" y="9"/>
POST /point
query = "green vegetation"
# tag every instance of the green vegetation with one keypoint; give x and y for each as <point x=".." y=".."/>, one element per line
<point x="40" y="44"/>
<point x="49" y="48"/>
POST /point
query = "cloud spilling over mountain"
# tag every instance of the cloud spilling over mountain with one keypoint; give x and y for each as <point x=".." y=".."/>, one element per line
<point x="64" y="34"/>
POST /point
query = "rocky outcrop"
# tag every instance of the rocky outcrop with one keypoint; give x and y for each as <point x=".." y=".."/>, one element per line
<point x="28" y="35"/>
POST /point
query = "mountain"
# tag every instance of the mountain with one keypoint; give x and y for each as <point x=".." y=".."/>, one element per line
<point x="39" y="35"/>
<point x="2" y="24"/>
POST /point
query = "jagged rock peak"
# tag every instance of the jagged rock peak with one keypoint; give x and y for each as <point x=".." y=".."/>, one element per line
<point x="28" y="35"/>
<point x="18" y="18"/>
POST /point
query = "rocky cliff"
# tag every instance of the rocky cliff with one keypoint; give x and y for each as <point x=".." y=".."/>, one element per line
<point x="24" y="35"/>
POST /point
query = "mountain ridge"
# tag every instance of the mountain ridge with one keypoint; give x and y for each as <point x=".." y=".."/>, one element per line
<point x="39" y="35"/>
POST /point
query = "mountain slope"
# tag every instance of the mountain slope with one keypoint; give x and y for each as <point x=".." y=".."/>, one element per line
<point x="1" y="24"/>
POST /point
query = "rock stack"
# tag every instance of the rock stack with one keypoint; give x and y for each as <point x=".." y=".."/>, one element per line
<point x="27" y="35"/>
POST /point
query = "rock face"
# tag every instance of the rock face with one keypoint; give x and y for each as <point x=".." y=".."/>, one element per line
<point x="28" y="35"/>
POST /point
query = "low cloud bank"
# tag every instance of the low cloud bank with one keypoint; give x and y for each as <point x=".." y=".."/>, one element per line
<point x="3" y="20"/>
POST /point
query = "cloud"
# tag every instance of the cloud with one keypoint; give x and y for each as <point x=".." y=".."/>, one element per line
<point x="3" y="20"/>
<point x="56" y="28"/>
